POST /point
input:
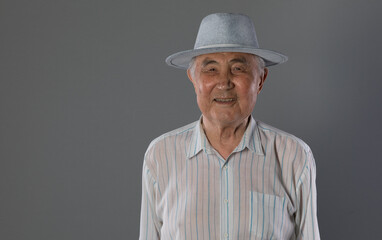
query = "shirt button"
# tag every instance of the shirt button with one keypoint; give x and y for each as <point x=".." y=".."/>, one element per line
<point x="226" y="235"/>
<point x="226" y="201"/>
<point x="225" y="167"/>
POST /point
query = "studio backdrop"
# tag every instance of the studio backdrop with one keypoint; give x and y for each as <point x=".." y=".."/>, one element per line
<point x="84" y="89"/>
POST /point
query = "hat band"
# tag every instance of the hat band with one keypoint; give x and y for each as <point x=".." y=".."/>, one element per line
<point x="223" y="45"/>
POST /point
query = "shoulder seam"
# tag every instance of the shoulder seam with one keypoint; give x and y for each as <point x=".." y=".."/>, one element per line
<point x="174" y="132"/>
<point x="277" y="131"/>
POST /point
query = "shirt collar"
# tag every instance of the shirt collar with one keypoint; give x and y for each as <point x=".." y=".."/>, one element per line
<point x="251" y="140"/>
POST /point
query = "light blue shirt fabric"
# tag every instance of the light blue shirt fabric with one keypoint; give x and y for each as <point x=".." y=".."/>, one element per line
<point x="264" y="190"/>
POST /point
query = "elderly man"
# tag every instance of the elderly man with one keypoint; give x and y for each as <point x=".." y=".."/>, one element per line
<point x="227" y="175"/>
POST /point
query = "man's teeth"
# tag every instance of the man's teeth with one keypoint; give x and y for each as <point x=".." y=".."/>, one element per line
<point x="225" y="100"/>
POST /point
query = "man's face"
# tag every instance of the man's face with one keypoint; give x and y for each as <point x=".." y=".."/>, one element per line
<point x="226" y="85"/>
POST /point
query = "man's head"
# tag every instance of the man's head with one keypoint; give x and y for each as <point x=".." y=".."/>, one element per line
<point x="227" y="84"/>
<point x="226" y="67"/>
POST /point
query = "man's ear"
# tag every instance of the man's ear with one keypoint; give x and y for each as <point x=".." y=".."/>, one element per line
<point x="262" y="79"/>
<point x="189" y="75"/>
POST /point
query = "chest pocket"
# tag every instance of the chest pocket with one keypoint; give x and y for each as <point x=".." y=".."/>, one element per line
<point x="268" y="213"/>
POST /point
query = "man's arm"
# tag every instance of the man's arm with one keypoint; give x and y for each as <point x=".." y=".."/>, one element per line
<point x="306" y="215"/>
<point x="149" y="226"/>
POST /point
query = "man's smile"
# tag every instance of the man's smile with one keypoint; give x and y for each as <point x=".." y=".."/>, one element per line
<point x="225" y="101"/>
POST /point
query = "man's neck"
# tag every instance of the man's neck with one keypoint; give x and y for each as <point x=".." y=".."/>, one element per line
<point x="224" y="138"/>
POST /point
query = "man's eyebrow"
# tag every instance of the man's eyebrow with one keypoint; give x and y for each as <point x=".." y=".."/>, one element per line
<point x="208" y="61"/>
<point x="239" y="60"/>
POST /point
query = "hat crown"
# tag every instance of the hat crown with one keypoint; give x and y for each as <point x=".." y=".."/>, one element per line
<point x="226" y="29"/>
<point x="225" y="32"/>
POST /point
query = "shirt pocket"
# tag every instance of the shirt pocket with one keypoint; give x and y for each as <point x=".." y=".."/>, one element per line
<point x="266" y="215"/>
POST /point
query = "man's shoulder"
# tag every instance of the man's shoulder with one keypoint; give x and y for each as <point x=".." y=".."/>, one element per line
<point x="181" y="132"/>
<point x="285" y="141"/>
<point x="267" y="130"/>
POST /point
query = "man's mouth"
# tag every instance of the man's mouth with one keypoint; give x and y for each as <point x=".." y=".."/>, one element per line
<point x="224" y="100"/>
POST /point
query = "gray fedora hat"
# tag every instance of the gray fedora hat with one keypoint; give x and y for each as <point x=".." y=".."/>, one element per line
<point x="225" y="32"/>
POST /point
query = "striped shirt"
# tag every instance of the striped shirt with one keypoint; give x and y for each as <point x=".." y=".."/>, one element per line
<point x="264" y="190"/>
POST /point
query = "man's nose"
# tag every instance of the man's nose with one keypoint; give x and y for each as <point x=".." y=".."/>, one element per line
<point x="225" y="81"/>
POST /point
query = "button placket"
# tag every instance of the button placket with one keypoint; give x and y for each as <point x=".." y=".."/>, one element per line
<point x="225" y="201"/>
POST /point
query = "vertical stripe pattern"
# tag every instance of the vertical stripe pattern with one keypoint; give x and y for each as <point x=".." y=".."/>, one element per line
<point x="264" y="190"/>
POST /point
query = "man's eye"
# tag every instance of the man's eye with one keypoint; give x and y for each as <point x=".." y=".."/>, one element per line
<point x="237" y="68"/>
<point x="212" y="70"/>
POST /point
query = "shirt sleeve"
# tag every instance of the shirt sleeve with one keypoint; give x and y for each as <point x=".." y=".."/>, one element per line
<point x="306" y="215"/>
<point x="149" y="224"/>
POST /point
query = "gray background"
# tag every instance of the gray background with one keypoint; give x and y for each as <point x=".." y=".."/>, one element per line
<point x="84" y="89"/>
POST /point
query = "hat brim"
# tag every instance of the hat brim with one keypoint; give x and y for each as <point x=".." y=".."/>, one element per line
<point x="182" y="59"/>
